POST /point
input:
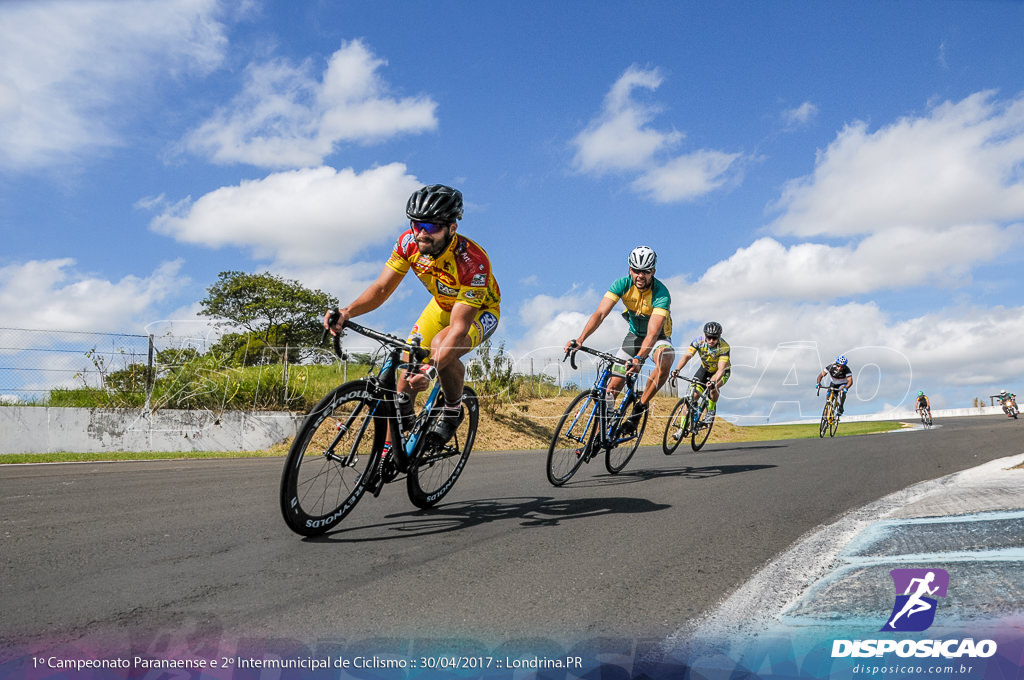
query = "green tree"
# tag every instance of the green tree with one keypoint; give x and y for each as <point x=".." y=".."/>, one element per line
<point x="274" y="310"/>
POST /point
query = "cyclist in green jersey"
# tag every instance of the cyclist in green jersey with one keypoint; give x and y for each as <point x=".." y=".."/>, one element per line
<point x="647" y="302"/>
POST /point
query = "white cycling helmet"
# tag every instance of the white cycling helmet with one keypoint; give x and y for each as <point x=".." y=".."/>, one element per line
<point x="643" y="259"/>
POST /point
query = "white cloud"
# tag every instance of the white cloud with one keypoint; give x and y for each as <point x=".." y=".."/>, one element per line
<point x="51" y="294"/>
<point x="66" y="64"/>
<point x="345" y="281"/>
<point x="621" y="139"/>
<point x="686" y="177"/>
<point x="959" y="164"/>
<point x="898" y="258"/>
<point x="285" y="117"/>
<point x="311" y="216"/>
<point x="799" y="116"/>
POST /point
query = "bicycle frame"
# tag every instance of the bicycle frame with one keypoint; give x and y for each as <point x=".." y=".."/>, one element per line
<point x="384" y="389"/>
<point x="830" y="412"/>
<point x="695" y="400"/>
<point x="926" y="415"/>
<point x="609" y="421"/>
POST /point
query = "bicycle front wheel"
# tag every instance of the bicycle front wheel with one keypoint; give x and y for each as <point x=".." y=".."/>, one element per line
<point x="331" y="460"/>
<point x="622" y="450"/>
<point x="676" y="429"/>
<point x="826" y="417"/>
<point x="437" y="467"/>
<point x="573" y="438"/>
<point x="701" y="429"/>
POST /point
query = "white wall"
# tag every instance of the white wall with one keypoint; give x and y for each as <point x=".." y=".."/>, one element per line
<point x="29" y="429"/>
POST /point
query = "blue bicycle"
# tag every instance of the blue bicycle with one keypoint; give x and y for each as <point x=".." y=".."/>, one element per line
<point x="355" y="441"/>
<point x="594" y="421"/>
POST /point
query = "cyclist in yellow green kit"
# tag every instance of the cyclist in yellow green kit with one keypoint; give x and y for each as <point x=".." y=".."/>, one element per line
<point x="647" y="302"/>
<point x="715" y="367"/>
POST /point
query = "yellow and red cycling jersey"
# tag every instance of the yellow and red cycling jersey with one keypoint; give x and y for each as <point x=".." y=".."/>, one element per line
<point x="462" y="273"/>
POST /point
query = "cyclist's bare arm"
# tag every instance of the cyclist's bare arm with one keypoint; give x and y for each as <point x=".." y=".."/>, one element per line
<point x="595" y="320"/>
<point x="370" y="299"/>
<point x="683" y="360"/>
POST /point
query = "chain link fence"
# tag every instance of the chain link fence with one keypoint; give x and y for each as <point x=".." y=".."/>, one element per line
<point x="35" y="362"/>
<point x="173" y="367"/>
<point x="157" y="370"/>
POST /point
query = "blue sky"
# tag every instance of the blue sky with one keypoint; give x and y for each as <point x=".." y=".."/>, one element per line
<point x="818" y="177"/>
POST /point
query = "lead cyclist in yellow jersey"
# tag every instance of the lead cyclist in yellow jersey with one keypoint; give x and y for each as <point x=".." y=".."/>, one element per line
<point x="464" y="307"/>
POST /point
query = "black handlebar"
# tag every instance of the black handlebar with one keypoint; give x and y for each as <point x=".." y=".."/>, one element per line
<point x="689" y="380"/>
<point x="574" y="347"/>
<point x="417" y="353"/>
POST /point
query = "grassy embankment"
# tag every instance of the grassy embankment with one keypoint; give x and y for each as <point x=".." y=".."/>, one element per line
<point x="525" y="425"/>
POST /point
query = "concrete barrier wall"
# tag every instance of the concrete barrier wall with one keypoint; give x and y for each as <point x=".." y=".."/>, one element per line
<point x="909" y="415"/>
<point x="27" y="429"/>
<point x="912" y="415"/>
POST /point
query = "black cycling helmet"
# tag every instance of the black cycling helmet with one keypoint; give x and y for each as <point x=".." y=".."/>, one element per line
<point x="712" y="329"/>
<point x="437" y="204"/>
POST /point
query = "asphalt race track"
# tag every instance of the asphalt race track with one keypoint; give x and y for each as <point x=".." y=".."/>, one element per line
<point x="144" y="554"/>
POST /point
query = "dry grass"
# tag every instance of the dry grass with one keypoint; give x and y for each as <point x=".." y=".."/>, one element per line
<point x="529" y="425"/>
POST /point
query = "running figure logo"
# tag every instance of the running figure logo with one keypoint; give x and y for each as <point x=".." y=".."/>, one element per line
<point x="914" y="609"/>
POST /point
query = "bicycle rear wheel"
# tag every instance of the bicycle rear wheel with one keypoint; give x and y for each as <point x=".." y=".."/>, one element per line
<point x="332" y="460"/>
<point x="437" y="467"/>
<point x="573" y="438"/>
<point x="678" y="423"/>
<point x="701" y="430"/>
<point x="618" y="455"/>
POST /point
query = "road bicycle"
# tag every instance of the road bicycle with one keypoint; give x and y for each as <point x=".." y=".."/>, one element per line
<point x="926" y="416"/>
<point x="355" y="441"/>
<point x="690" y="418"/>
<point x="830" y="412"/>
<point x="594" y="421"/>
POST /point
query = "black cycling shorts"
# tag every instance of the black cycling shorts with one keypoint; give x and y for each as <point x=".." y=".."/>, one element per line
<point x="703" y="375"/>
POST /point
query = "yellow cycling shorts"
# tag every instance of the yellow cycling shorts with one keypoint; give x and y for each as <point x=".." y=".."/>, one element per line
<point x="433" y="319"/>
